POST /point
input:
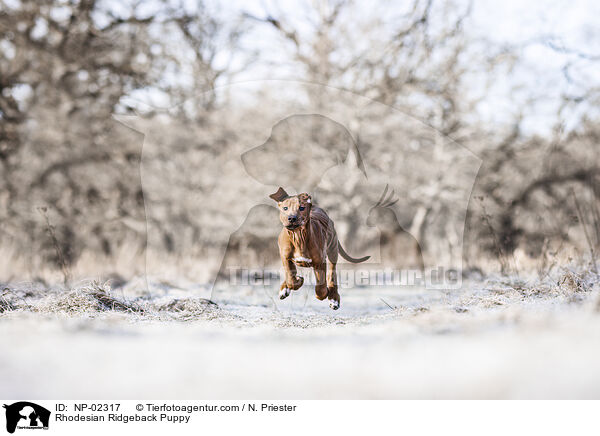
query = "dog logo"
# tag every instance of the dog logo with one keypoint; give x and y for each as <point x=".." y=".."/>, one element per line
<point x="344" y="150"/>
<point x="26" y="415"/>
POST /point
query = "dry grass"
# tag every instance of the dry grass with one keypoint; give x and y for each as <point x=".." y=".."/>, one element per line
<point x="94" y="299"/>
<point x="169" y="301"/>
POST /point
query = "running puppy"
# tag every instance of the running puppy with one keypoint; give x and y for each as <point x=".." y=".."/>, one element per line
<point x="308" y="239"/>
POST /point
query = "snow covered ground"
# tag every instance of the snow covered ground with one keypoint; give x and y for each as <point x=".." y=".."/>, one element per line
<point x="492" y="339"/>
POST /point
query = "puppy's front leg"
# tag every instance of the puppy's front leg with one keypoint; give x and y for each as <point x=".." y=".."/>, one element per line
<point x="286" y="252"/>
<point x="292" y="282"/>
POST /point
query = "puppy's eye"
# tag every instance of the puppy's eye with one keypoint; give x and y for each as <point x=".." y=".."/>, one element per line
<point x="285" y="208"/>
<point x="302" y="207"/>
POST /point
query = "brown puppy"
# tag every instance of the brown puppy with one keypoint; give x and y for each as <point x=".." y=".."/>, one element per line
<point x="308" y="239"/>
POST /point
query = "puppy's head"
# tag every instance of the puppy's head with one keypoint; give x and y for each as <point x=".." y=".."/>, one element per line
<point x="294" y="210"/>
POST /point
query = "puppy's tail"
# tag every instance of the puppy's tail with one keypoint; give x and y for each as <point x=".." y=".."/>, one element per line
<point x="347" y="256"/>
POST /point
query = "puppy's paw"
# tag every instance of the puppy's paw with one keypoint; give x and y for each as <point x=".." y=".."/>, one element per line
<point x="334" y="304"/>
<point x="298" y="282"/>
<point x="284" y="293"/>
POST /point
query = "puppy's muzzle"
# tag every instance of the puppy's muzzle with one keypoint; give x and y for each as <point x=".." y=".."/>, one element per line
<point x="292" y="222"/>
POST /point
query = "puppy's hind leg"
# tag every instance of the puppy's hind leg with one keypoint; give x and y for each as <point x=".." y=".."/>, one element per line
<point x="321" y="284"/>
<point x="332" y="286"/>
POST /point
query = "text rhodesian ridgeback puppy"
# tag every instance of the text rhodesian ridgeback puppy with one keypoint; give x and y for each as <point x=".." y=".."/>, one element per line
<point x="308" y="239"/>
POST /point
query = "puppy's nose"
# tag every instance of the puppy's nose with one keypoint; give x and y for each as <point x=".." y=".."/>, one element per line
<point x="292" y="218"/>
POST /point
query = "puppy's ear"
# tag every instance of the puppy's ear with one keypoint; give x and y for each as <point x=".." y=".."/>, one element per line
<point x="280" y="195"/>
<point x="305" y="197"/>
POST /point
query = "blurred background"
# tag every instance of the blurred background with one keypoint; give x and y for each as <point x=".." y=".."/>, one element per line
<point x="119" y="115"/>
